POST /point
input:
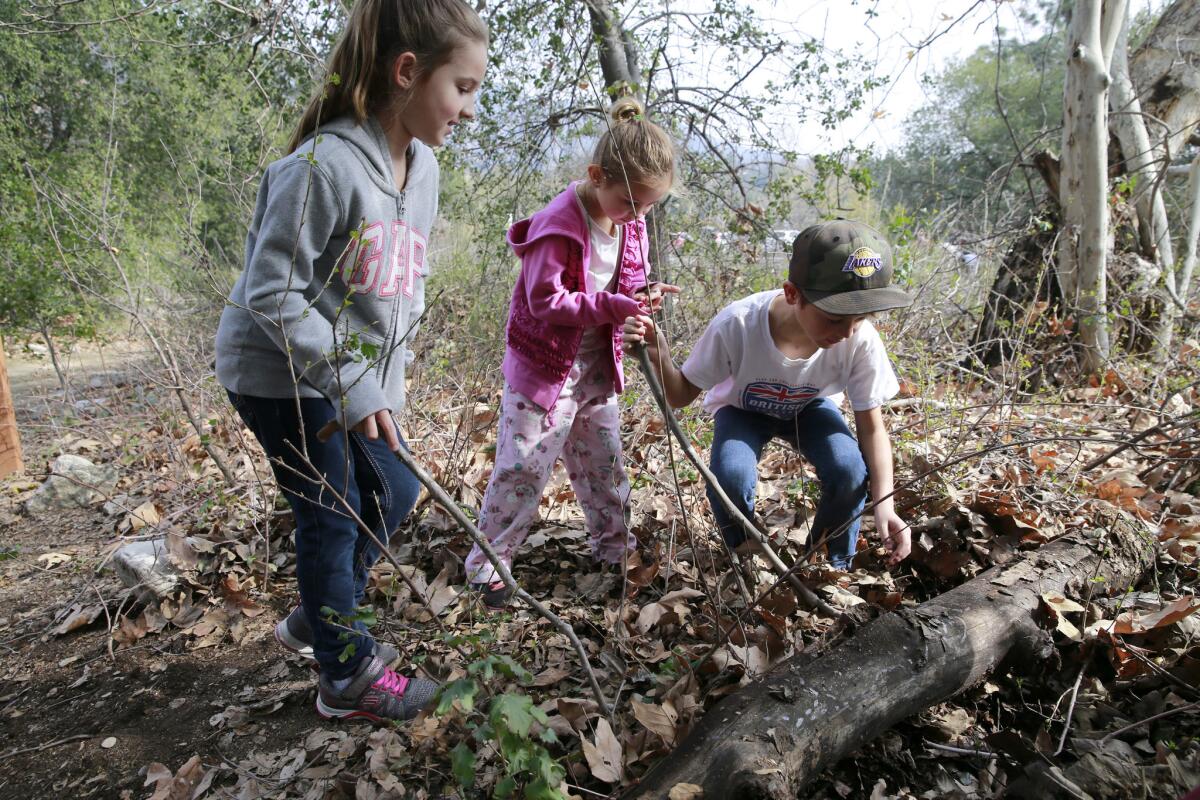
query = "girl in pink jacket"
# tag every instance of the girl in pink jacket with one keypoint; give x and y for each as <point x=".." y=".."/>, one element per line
<point x="583" y="271"/>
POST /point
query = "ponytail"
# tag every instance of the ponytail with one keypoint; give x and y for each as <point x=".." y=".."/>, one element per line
<point x="356" y="80"/>
<point x="633" y="147"/>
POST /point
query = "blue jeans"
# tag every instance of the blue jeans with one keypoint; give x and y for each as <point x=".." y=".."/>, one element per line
<point x="333" y="555"/>
<point x="820" y="433"/>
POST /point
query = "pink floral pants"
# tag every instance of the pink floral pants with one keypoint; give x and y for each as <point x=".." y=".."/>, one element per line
<point x="584" y="428"/>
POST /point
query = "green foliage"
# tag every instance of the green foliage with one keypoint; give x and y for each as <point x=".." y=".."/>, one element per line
<point x="346" y="622"/>
<point x="507" y="725"/>
<point x="985" y="114"/>
<point x="125" y="154"/>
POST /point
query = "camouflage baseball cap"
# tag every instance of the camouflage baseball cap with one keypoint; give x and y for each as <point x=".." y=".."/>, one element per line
<point x="845" y="267"/>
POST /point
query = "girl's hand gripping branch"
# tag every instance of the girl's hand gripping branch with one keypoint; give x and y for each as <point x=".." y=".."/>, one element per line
<point x="638" y="331"/>
<point x="641" y="331"/>
<point x="652" y="296"/>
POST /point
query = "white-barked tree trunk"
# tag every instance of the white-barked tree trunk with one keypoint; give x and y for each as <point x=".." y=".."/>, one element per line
<point x="1083" y="250"/>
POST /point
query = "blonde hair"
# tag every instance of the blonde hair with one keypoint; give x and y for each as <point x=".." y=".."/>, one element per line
<point x="633" y="147"/>
<point x="377" y="32"/>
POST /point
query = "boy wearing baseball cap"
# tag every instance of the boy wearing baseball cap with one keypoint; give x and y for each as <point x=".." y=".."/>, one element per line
<point x="776" y="363"/>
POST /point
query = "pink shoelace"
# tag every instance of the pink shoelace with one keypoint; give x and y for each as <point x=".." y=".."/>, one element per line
<point x="392" y="683"/>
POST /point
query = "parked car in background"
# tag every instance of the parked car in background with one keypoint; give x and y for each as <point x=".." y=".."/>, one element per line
<point x="964" y="257"/>
<point x="780" y="240"/>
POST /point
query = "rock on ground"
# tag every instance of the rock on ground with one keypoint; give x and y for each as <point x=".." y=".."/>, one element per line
<point x="74" y="482"/>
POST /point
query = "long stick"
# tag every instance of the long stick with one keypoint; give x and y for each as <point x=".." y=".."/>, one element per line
<point x="443" y="499"/>
<point x="751" y="530"/>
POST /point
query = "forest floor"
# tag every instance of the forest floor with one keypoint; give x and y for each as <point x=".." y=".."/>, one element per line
<point x="103" y="695"/>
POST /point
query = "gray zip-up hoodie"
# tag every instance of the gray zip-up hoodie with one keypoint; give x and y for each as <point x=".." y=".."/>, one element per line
<point x="334" y="283"/>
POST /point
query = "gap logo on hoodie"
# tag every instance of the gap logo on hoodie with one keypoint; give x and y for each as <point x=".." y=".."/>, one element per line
<point x="384" y="259"/>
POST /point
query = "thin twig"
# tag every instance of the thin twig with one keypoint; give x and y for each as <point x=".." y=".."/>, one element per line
<point x="959" y="751"/>
<point x="1062" y="741"/>
<point x="1155" y="718"/>
<point x="77" y="737"/>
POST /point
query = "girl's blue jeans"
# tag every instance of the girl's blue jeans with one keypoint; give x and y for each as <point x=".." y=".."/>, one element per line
<point x="333" y="554"/>
<point x="820" y="434"/>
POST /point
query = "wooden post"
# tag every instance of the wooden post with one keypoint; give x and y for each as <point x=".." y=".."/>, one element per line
<point x="10" y="440"/>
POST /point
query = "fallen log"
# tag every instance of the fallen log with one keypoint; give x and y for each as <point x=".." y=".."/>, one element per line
<point x="769" y="739"/>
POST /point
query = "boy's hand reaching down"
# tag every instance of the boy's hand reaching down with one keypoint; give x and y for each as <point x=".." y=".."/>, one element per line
<point x="897" y="536"/>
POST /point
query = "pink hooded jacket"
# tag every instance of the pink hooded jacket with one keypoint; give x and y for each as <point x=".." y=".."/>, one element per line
<point x="551" y="305"/>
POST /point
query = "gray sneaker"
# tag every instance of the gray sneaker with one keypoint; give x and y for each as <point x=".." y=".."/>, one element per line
<point x="294" y="633"/>
<point x="376" y="692"/>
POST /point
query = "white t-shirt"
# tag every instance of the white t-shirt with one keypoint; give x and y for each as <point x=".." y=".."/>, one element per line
<point x="737" y="361"/>
<point x="601" y="267"/>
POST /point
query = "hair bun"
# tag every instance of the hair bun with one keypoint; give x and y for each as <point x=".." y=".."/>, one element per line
<point x="627" y="109"/>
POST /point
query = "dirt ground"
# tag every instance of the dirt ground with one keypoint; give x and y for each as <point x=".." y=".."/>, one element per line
<point x="78" y="717"/>
<point x="99" y="699"/>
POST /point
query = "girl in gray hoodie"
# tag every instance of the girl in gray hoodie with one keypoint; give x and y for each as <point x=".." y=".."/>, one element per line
<point x="316" y="331"/>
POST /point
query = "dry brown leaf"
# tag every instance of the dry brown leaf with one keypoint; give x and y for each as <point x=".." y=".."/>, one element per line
<point x="185" y="551"/>
<point x="577" y="712"/>
<point x="643" y="568"/>
<point x="657" y="719"/>
<point x="443" y="591"/>
<point x="1059" y="607"/>
<point x="752" y="660"/>
<point x="1060" y="604"/>
<point x="78" y="617"/>
<point x="951" y="723"/>
<point x="604" y="755"/>
<point x="129" y="631"/>
<point x="841" y="598"/>
<point x="192" y="780"/>
<point x="144" y="516"/>
<point x="156" y="772"/>
<point x="674" y="602"/>
<point x="1168" y="615"/>
<point x="53" y="559"/>
<point x="551" y="676"/>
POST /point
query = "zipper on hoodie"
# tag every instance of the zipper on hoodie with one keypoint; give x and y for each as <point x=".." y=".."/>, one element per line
<point x="390" y="343"/>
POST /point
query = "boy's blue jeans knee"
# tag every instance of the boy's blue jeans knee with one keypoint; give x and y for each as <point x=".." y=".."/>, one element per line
<point x="333" y="555"/>
<point x="821" y="435"/>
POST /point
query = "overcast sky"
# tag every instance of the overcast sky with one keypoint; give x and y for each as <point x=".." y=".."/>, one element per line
<point x="888" y="39"/>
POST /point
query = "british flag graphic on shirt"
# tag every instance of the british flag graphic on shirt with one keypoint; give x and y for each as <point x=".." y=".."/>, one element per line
<point x="777" y="399"/>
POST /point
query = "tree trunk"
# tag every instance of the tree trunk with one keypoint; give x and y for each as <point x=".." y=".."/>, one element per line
<point x="1166" y="71"/>
<point x="1025" y="278"/>
<point x="1193" y="229"/>
<point x="10" y="437"/>
<point x="52" y="351"/>
<point x="1146" y="163"/>
<point x="618" y="50"/>
<point x="770" y="739"/>
<point x="1156" y="88"/>
<point x="1084" y="198"/>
